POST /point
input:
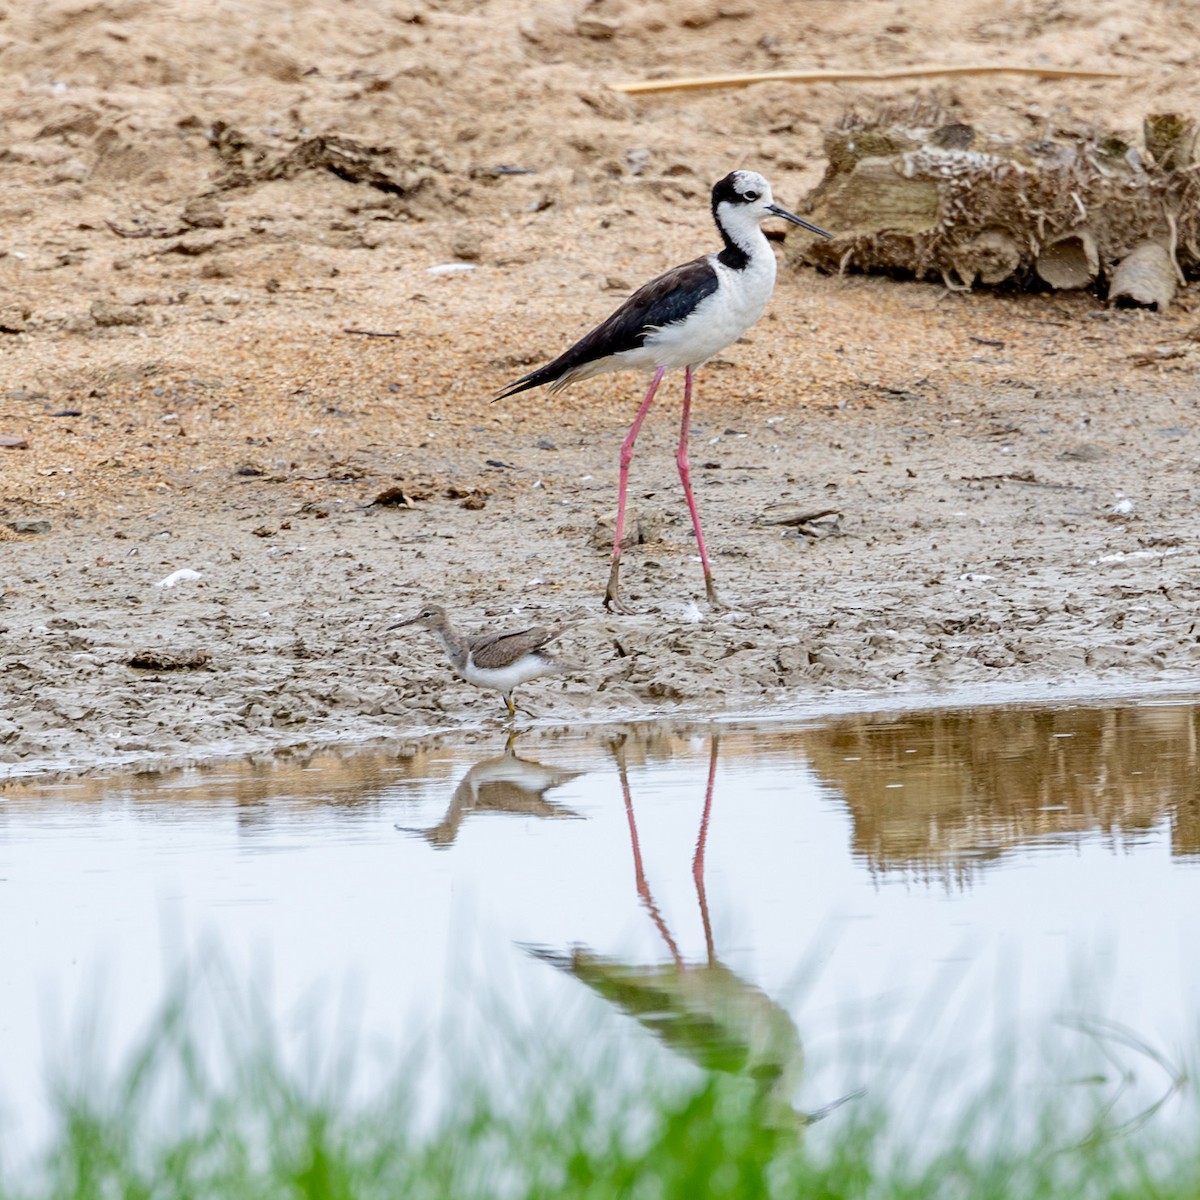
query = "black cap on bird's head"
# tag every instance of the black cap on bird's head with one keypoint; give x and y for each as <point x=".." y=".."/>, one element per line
<point x="749" y="190"/>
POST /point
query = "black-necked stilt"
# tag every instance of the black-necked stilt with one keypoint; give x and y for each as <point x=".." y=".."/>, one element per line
<point x="681" y="319"/>
<point x="502" y="661"/>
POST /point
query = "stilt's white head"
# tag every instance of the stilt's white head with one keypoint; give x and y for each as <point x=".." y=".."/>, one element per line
<point x="744" y="197"/>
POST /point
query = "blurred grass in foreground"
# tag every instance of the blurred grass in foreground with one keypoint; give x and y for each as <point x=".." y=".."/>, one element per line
<point x="176" y="1120"/>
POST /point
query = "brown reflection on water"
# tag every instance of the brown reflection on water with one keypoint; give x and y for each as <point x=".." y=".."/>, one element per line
<point x="935" y="793"/>
<point x="323" y="779"/>
<point x="353" y="784"/>
<point x="942" y="792"/>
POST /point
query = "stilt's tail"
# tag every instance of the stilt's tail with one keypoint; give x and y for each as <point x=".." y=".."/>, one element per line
<point x="543" y="375"/>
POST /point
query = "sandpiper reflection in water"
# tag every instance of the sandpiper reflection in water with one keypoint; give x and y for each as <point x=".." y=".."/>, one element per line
<point x="505" y="783"/>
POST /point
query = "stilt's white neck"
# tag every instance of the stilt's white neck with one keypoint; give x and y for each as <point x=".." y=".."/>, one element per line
<point x="742" y="234"/>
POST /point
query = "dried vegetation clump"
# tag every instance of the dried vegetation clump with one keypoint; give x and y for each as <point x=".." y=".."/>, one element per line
<point x="248" y="162"/>
<point x="1072" y="208"/>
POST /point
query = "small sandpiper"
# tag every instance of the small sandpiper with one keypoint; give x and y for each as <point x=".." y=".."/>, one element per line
<point x="501" y="661"/>
<point x="681" y="319"/>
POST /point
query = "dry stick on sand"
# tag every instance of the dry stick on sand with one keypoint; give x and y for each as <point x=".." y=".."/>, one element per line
<point x="719" y="81"/>
<point x="803" y="518"/>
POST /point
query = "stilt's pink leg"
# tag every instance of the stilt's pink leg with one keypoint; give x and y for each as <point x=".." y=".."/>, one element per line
<point x="643" y="888"/>
<point x="612" y="595"/>
<point x="701" y="845"/>
<point x="685" y="474"/>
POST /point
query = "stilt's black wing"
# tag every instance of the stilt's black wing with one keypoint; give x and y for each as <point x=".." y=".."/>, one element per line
<point x="669" y="298"/>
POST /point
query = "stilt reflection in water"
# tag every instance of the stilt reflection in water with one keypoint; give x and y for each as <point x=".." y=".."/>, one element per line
<point x="700" y="1008"/>
<point x="505" y="783"/>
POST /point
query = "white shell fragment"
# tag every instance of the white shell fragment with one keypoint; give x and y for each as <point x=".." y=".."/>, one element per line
<point x="183" y="575"/>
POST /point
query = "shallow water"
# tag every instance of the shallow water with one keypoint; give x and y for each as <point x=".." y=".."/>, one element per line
<point x="805" y="902"/>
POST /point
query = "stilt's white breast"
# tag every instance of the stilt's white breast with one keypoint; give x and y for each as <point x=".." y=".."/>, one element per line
<point x="720" y="318"/>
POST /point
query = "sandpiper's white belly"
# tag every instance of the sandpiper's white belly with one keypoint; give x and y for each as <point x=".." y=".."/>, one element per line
<point x="504" y="679"/>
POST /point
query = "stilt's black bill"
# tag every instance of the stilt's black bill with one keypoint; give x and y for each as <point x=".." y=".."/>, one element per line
<point x="795" y="220"/>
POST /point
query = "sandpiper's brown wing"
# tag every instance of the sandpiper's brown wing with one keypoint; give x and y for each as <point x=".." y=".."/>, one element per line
<point x="498" y="650"/>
